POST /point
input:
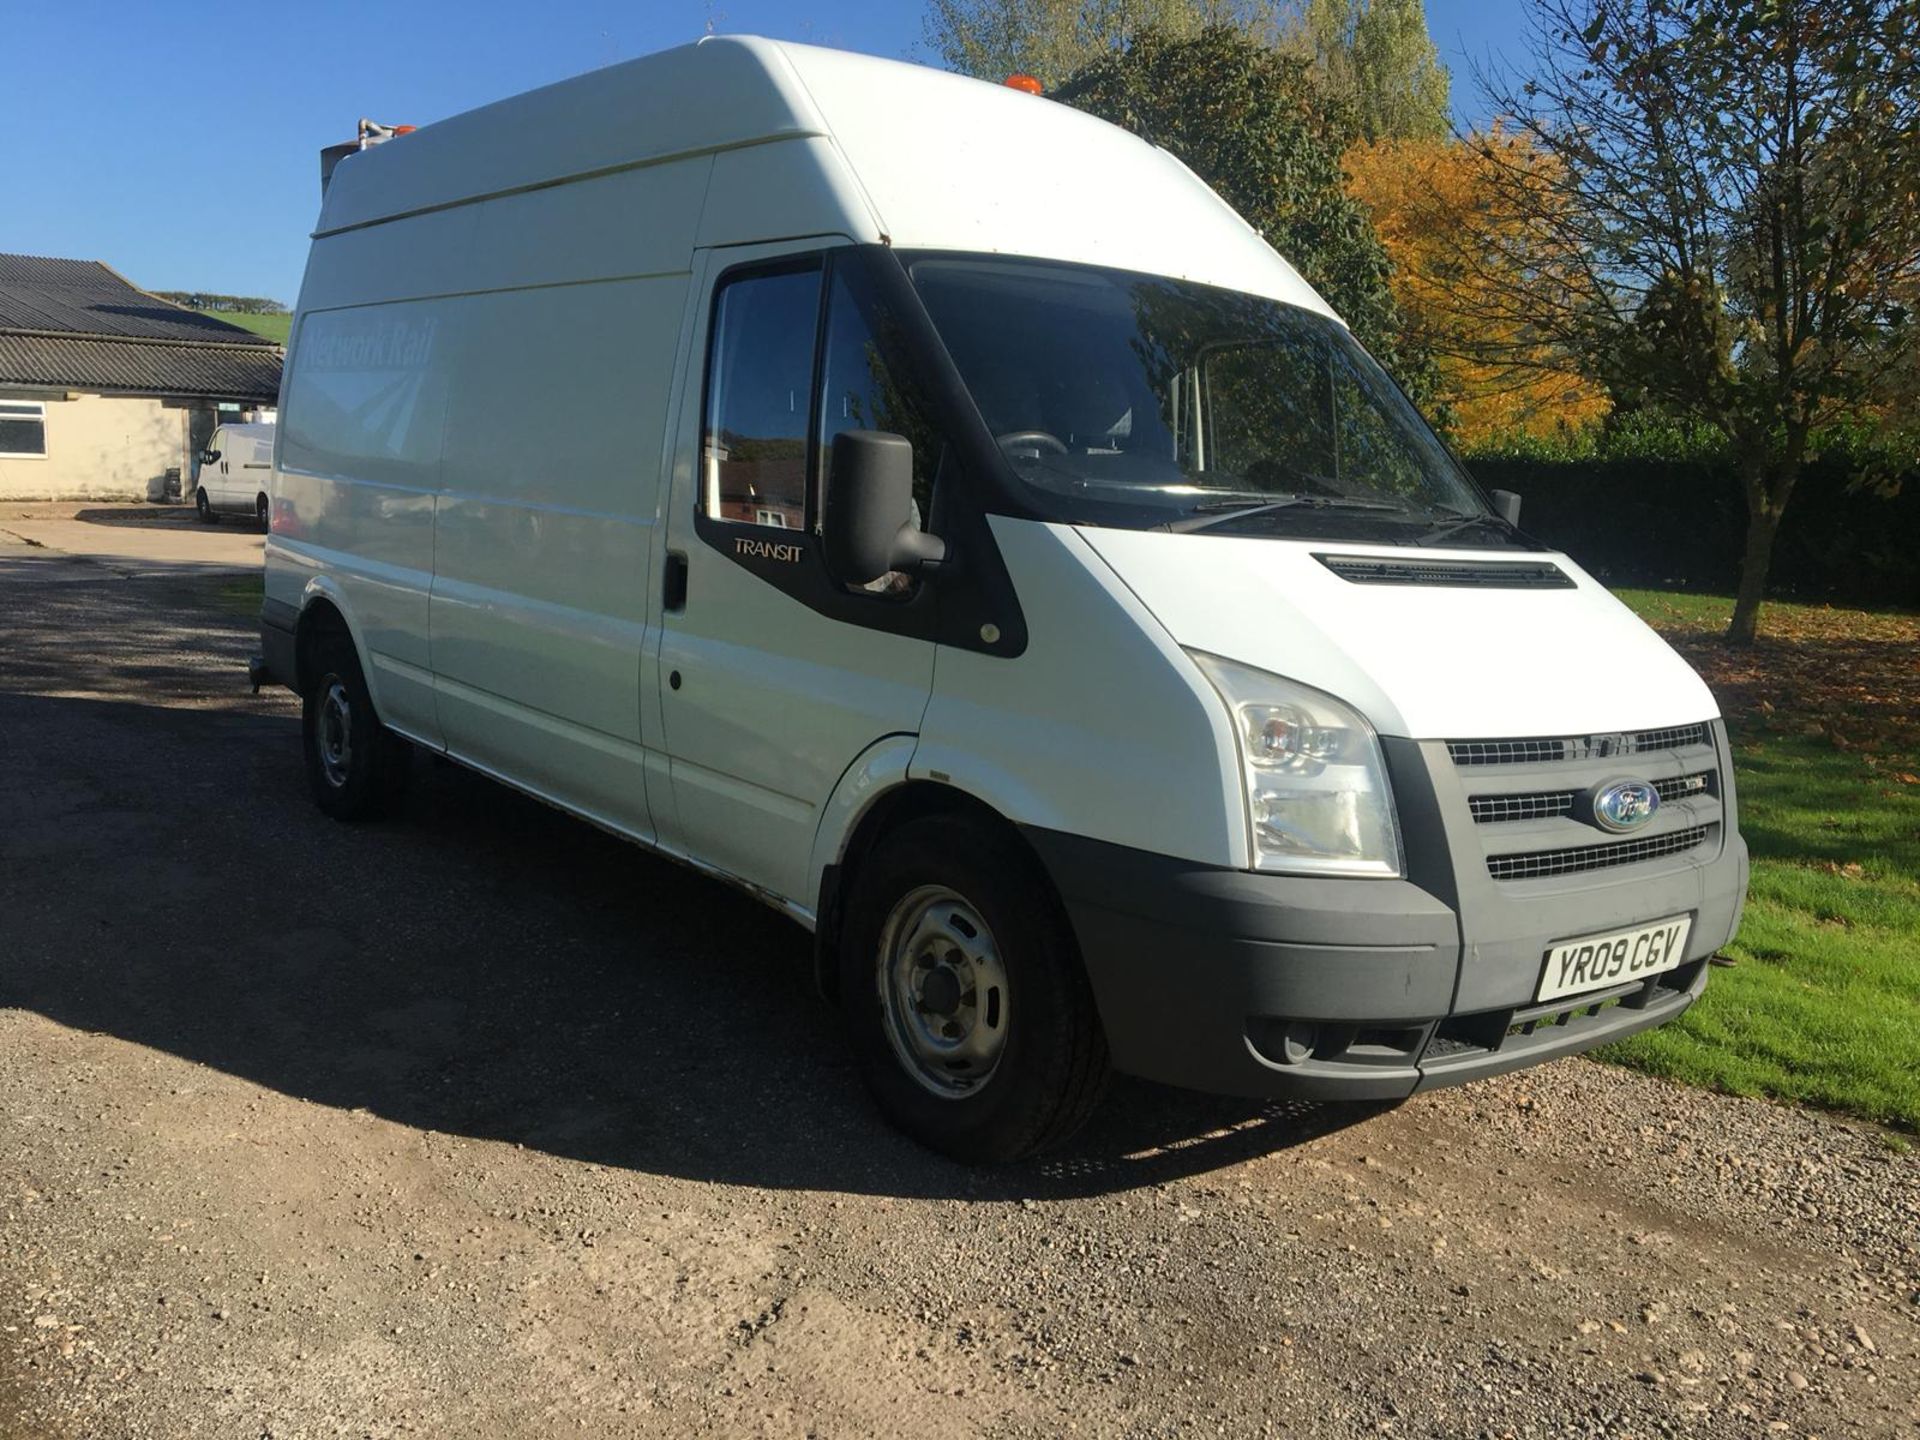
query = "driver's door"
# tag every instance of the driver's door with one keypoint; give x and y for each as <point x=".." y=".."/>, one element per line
<point x="213" y="474"/>
<point x="772" y="678"/>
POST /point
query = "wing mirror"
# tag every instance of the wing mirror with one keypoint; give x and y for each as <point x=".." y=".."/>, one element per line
<point x="1506" y="505"/>
<point x="868" y="528"/>
<point x="209" y="457"/>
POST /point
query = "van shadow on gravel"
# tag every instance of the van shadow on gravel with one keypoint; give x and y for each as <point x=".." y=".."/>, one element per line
<point x="143" y="517"/>
<point x="480" y="965"/>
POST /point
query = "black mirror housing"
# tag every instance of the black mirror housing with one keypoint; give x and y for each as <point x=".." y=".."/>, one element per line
<point x="208" y="457"/>
<point x="1506" y="504"/>
<point x="867" y="525"/>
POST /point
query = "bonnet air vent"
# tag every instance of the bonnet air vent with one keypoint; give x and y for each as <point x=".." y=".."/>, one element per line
<point x="1498" y="575"/>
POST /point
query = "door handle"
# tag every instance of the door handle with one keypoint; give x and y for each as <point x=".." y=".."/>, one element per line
<point x="674" y="587"/>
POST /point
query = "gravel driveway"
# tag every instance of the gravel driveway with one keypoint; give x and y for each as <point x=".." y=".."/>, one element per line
<point x="480" y="1123"/>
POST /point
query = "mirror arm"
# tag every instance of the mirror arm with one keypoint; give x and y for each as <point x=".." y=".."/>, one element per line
<point x="916" y="550"/>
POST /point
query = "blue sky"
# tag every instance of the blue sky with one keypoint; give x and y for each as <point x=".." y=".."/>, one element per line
<point x="180" y="142"/>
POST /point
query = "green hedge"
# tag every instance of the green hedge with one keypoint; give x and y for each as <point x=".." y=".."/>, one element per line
<point x="1682" y="523"/>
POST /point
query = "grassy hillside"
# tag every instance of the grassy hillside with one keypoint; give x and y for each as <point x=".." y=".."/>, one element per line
<point x="274" y="327"/>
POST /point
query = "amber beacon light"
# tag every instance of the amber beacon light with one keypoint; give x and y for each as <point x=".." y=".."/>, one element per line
<point x="1024" y="82"/>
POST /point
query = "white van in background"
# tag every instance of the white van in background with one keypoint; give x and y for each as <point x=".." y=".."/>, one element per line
<point x="934" y="511"/>
<point x="231" y="474"/>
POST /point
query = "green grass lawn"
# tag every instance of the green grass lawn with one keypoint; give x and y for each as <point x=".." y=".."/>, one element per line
<point x="1822" y="1001"/>
<point x="240" y="596"/>
<point x="274" y="327"/>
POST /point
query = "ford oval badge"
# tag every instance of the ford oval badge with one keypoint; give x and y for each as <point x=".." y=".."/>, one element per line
<point x="1625" y="805"/>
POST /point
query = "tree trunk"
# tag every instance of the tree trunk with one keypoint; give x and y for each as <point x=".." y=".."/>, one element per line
<point x="1768" y="488"/>
<point x="1763" y="523"/>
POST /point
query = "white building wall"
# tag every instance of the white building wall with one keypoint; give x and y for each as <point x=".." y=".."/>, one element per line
<point x="99" y="447"/>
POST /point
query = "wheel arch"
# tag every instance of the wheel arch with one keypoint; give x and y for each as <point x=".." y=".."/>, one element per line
<point x="897" y="805"/>
<point x="323" y="612"/>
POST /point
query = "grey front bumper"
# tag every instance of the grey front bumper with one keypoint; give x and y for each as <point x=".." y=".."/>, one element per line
<point x="1281" y="986"/>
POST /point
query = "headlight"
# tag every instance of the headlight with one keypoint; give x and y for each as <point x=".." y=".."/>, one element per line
<point x="1317" y="795"/>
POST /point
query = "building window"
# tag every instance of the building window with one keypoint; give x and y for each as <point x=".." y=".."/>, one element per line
<point x="23" y="430"/>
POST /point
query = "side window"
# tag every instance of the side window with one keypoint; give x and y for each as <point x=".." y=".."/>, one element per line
<point x="759" y="391"/>
<point x="860" y="392"/>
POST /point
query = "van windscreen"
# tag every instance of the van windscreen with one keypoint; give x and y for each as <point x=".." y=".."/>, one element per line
<point x="1138" y="400"/>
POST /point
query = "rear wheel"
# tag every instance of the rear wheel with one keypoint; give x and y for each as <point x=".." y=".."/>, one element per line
<point x="965" y="997"/>
<point x="204" y="507"/>
<point x="356" y="767"/>
<point x="260" y="510"/>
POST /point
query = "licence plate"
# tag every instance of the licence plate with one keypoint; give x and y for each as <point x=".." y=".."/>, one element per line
<point x="1594" y="962"/>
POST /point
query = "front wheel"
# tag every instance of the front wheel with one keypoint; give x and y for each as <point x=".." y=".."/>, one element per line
<point x="260" y="510"/>
<point x="964" y="994"/>
<point x="356" y="767"/>
<point x="204" y="507"/>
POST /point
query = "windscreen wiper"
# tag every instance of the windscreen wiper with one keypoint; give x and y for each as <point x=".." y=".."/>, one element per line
<point x="1198" y="518"/>
<point x="1456" y="523"/>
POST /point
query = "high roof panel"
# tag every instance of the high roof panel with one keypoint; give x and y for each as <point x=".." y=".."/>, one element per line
<point x="919" y="157"/>
<point x="697" y="98"/>
<point x="952" y="163"/>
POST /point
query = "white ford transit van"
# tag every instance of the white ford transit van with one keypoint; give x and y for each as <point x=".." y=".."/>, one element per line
<point x="934" y="511"/>
<point x="230" y="475"/>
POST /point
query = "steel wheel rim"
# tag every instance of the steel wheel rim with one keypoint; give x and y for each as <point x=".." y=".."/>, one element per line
<point x="335" y="736"/>
<point x="943" y="992"/>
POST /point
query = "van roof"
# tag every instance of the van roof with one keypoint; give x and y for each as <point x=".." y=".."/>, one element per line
<point x="915" y="157"/>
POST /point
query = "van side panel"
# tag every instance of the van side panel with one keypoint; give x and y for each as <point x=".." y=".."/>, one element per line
<point x="563" y="353"/>
<point x="364" y="405"/>
<point x="546" y="534"/>
<point x="399" y="262"/>
<point x="253" y="470"/>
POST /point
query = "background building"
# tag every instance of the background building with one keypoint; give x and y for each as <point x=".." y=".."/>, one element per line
<point x="104" y="388"/>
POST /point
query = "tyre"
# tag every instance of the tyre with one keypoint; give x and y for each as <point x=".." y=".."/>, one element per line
<point x="356" y="767"/>
<point x="204" y="507"/>
<point x="260" y="511"/>
<point x="965" y="999"/>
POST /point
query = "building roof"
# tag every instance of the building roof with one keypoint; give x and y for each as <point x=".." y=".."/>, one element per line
<point x="77" y="324"/>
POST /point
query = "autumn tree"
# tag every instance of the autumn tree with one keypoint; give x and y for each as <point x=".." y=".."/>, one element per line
<point x="1439" y="212"/>
<point x="1377" y="61"/>
<point x="1050" y="39"/>
<point x="1379" y="74"/>
<point x="1248" y="119"/>
<point x="1734" y="194"/>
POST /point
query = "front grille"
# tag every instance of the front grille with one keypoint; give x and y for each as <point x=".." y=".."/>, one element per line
<point x="1495" y="809"/>
<point x="1674" y="737"/>
<point x="1538" y="863"/>
<point x="1684" y="787"/>
<point x="1471" y="574"/>
<point x="1545" y="805"/>
<point x="1574" y="747"/>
